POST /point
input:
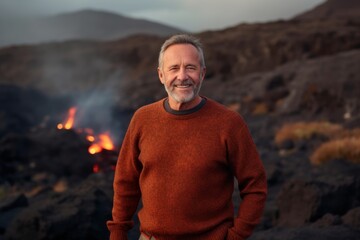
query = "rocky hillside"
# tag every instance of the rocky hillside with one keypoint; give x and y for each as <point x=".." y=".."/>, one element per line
<point x="346" y="9"/>
<point x="128" y="66"/>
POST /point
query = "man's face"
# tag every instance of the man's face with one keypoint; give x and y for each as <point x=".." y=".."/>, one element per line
<point x="181" y="72"/>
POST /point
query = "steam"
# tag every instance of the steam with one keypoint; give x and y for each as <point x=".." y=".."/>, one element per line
<point x="91" y="84"/>
<point x="96" y="111"/>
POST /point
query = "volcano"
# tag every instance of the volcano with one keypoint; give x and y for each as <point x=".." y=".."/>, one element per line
<point x="274" y="74"/>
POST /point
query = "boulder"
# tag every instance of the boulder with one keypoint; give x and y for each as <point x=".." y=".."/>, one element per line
<point x="79" y="213"/>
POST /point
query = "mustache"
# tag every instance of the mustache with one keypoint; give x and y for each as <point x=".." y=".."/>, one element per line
<point x="183" y="82"/>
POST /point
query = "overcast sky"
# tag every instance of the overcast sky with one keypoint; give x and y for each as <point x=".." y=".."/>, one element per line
<point x="190" y="15"/>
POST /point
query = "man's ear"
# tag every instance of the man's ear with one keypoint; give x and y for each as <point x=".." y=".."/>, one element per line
<point x="203" y="72"/>
<point x="161" y="75"/>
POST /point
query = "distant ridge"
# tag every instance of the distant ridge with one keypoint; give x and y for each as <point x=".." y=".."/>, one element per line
<point x="84" y="24"/>
<point x="349" y="9"/>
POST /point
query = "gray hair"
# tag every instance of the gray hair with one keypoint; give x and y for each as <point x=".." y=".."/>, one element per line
<point x="182" y="39"/>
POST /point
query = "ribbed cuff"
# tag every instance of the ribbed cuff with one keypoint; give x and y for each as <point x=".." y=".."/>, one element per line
<point x="231" y="235"/>
<point x="117" y="234"/>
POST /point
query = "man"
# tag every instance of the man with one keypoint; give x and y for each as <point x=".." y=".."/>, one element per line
<point x="180" y="156"/>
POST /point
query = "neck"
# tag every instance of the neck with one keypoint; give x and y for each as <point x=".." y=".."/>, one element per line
<point x="184" y="106"/>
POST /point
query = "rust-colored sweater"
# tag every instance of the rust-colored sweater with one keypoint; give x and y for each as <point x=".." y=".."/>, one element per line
<point x="183" y="168"/>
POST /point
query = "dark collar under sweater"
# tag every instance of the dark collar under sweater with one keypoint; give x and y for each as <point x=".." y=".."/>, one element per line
<point x="183" y="112"/>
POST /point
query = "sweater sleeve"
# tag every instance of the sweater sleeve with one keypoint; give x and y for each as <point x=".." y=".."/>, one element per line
<point x="250" y="173"/>
<point x="126" y="186"/>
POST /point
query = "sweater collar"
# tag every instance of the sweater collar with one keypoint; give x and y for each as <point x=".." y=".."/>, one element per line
<point x="183" y="112"/>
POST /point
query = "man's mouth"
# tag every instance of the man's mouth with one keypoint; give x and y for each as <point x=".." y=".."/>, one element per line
<point x="183" y="86"/>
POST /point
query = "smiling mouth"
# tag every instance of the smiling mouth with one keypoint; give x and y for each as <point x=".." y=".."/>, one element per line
<point x="183" y="86"/>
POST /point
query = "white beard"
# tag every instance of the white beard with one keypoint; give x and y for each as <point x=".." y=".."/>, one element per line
<point x="183" y="98"/>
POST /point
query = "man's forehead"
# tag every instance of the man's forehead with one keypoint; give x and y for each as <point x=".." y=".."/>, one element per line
<point x="181" y="45"/>
<point x="188" y="51"/>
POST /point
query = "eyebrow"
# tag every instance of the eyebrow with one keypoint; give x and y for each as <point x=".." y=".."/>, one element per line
<point x="172" y="66"/>
<point x="177" y="65"/>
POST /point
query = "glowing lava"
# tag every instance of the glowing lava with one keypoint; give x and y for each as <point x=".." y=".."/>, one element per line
<point x="100" y="142"/>
<point x="69" y="123"/>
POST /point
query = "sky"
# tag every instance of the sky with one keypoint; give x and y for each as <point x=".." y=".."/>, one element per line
<point x="190" y="15"/>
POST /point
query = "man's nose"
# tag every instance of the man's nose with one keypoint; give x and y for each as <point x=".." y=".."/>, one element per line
<point x="182" y="74"/>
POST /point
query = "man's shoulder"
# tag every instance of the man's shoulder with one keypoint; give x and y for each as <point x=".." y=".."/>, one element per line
<point x="221" y="110"/>
<point x="229" y="120"/>
<point x="149" y="109"/>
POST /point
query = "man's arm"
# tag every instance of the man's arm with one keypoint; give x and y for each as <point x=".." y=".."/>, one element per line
<point x="250" y="173"/>
<point x="126" y="187"/>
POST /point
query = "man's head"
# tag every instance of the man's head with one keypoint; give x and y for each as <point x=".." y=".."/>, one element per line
<point x="182" y="39"/>
<point x="182" y="68"/>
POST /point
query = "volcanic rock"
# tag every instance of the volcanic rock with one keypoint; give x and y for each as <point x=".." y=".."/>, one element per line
<point x="23" y="108"/>
<point x="302" y="201"/>
<point x="79" y="213"/>
<point x="301" y="233"/>
<point x="328" y="220"/>
<point x="62" y="153"/>
<point x="335" y="9"/>
<point x="306" y="87"/>
<point x="9" y="207"/>
<point x="352" y="218"/>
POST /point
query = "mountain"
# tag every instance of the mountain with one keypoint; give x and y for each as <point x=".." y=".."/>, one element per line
<point x="349" y="9"/>
<point x="85" y="24"/>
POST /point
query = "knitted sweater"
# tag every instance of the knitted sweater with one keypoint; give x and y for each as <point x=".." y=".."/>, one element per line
<point x="183" y="169"/>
